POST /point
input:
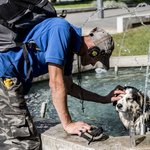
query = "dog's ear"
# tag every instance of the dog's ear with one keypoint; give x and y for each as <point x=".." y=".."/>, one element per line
<point x="147" y="104"/>
<point x="114" y="103"/>
<point x="140" y="98"/>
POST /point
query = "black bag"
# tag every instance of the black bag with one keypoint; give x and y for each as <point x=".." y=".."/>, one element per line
<point x="17" y="16"/>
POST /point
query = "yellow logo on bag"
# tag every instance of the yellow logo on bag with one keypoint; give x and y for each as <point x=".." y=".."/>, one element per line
<point x="94" y="53"/>
<point x="8" y="83"/>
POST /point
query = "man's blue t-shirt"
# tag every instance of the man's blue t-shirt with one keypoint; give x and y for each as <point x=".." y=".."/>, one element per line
<point x="58" y="41"/>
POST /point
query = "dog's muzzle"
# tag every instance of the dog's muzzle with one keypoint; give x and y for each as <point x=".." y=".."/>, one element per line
<point x="119" y="106"/>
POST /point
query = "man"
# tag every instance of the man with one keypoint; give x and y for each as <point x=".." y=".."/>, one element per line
<point x="58" y="41"/>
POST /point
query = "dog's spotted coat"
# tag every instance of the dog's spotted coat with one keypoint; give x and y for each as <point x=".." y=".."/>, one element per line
<point x="130" y="108"/>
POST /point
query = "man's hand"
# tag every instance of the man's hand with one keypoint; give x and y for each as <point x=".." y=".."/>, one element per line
<point x="77" y="127"/>
<point x="111" y="96"/>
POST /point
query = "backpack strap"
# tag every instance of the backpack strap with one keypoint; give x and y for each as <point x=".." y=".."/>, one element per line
<point x="26" y="57"/>
<point x="24" y="46"/>
<point x="33" y="45"/>
<point x="63" y="14"/>
<point x="37" y="9"/>
<point x="31" y="7"/>
<point x="6" y="24"/>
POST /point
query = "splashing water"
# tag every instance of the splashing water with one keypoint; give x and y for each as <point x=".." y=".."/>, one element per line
<point x="146" y="81"/>
<point x="100" y="9"/>
<point x="133" y="13"/>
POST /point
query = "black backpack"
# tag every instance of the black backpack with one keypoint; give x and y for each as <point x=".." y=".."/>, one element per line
<point x="18" y="16"/>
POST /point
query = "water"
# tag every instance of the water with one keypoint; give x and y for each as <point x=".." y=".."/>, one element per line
<point x="98" y="114"/>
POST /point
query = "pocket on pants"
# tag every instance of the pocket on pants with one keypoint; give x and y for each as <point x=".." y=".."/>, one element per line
<point x="16" y="125"/>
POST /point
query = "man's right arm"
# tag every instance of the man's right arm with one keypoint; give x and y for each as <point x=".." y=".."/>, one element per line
<point x="59" y="96"/>
<point x="75" y="91"/>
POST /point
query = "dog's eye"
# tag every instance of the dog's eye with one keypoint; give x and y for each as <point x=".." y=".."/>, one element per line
<point x="129" y="99"/>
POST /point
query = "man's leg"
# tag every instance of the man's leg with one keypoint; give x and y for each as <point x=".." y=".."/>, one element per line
<point x="16" y="126"/>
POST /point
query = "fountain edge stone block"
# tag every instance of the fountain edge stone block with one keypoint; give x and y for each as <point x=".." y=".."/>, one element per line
<point x="57" y="139"/>
<point x="123" y="20"/>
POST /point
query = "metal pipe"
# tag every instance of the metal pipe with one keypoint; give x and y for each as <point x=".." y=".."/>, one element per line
<point x="100" y="5"/>
<point x="43" y="109"/>
<point x="142" y="129"/>
<point x="116" y="69"/>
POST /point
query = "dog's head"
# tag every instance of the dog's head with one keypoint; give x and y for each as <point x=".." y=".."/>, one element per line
<point x="131" y="102"/>
<point x="130" y="107"/>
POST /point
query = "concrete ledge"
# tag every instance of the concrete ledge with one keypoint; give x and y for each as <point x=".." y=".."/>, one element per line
<point x="124" y="61"/>
<point x="85" y="9"/>
<point x="123" y="20"/>
<point x="55" y="138"/>
<point x="129" y="61"/>
<point x="76" y="10"/>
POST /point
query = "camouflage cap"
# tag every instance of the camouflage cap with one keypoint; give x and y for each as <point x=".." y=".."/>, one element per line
<point x="104" y="41"/>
